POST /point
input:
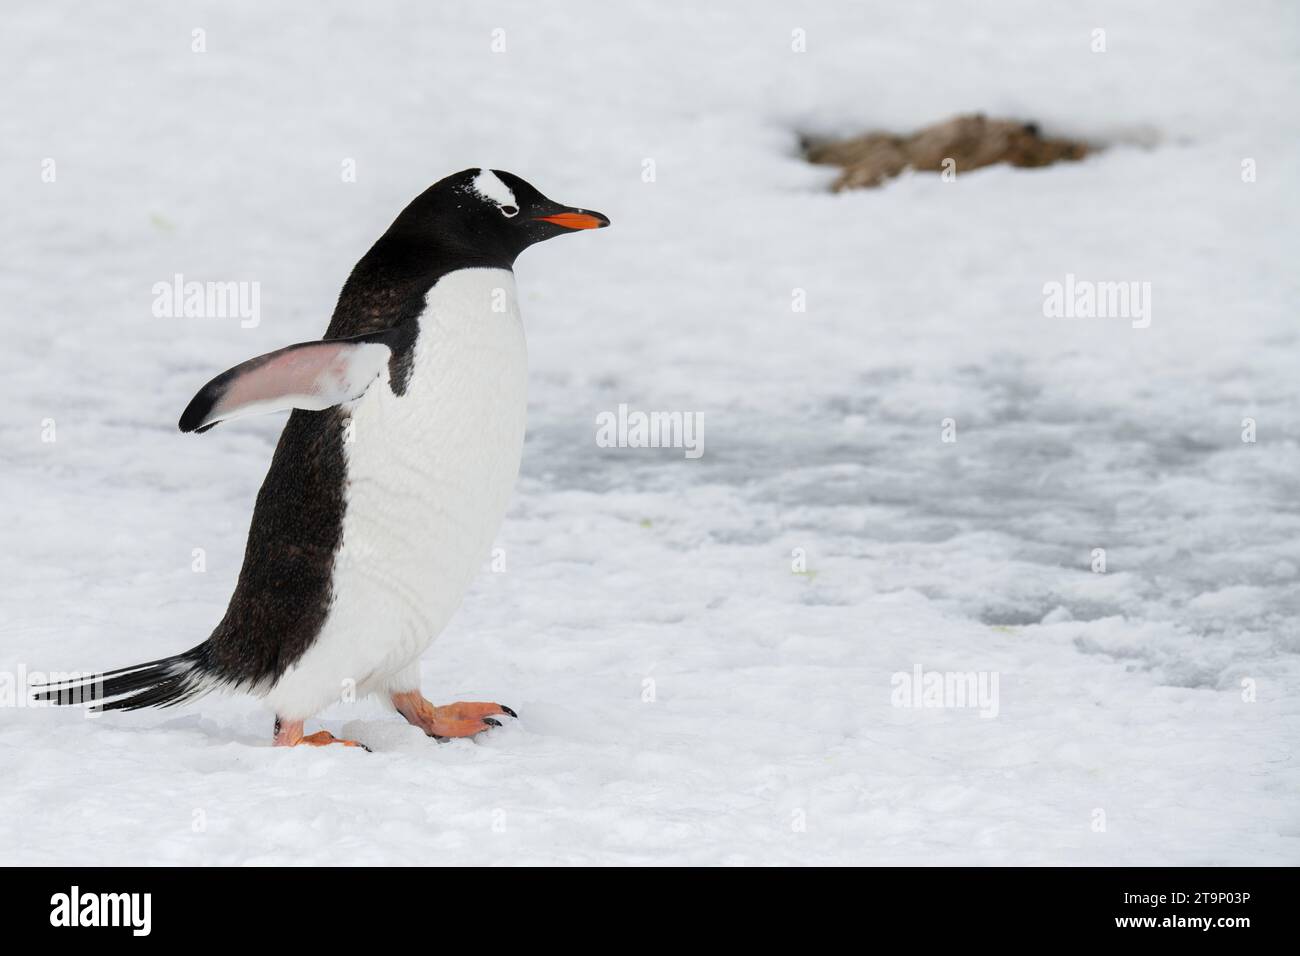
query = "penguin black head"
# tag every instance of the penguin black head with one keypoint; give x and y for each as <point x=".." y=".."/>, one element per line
<point x="486" y="215"/>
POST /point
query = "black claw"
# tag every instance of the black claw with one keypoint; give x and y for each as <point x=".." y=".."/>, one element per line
<point x="491" y="721"/>
<point x="508" y="711"/>
<point x="365" y="748"/>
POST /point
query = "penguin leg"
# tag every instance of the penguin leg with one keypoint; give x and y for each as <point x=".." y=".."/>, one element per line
<point x="288" y="733"/>
<point x="462" y="719"/>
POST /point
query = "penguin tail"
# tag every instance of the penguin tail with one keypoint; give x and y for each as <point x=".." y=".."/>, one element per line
<point x="161" y="683"/>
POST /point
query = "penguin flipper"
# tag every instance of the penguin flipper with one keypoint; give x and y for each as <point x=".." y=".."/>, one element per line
<point x="309" y="375"/>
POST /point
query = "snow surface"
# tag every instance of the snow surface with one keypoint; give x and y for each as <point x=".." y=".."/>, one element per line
<point x="771" y="737"/>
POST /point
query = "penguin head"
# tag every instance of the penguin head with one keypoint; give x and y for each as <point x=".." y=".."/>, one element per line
<point x="488" y="214"/>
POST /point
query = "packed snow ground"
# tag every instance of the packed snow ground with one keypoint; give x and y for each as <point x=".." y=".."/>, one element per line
<point x="630" y="574"/>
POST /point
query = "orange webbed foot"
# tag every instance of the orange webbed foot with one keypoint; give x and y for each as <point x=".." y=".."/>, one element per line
<point x="461" y="719"/>
<point x="288" y="733"/>
<point x="323" y="738"/>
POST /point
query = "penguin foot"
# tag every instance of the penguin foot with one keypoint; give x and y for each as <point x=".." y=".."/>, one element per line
<point x="288" y="733"/>
<point x="461" y="719"/>
<point x="323" y="737"/>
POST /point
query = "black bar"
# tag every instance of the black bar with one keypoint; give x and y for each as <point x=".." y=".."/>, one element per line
<point x="1144" y="905"/>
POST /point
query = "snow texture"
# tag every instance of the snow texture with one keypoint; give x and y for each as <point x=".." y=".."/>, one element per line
<point x="685" y="696"/>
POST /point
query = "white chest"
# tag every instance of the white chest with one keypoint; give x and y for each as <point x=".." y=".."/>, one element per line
<point x="442" y="458"/>
<point x="430" y="474"/>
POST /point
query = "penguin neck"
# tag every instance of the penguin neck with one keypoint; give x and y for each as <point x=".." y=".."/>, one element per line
<point x="391" y="281"/>
<point x="425" y="260"/>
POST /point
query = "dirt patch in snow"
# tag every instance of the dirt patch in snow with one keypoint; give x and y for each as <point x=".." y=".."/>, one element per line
<point x="953" y="146"/>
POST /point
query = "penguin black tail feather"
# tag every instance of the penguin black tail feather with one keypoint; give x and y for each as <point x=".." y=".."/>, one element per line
<point x="161" y="683"/>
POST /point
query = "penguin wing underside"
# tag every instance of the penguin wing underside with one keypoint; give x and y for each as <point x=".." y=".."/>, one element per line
<point x="309" y="375"/>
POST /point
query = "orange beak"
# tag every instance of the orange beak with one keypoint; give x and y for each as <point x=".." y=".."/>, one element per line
<point x="576" y="220"/>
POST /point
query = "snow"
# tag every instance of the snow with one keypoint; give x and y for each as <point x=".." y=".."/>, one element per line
<point x="685" y="697"/>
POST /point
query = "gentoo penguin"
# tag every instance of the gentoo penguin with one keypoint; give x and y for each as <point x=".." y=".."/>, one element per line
<point x="391" y="477"/>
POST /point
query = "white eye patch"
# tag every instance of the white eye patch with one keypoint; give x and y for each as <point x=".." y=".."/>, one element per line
<point x="489" y="185"/>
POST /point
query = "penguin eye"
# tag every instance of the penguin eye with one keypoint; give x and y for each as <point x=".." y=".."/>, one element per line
<point x="509" y="211"/>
